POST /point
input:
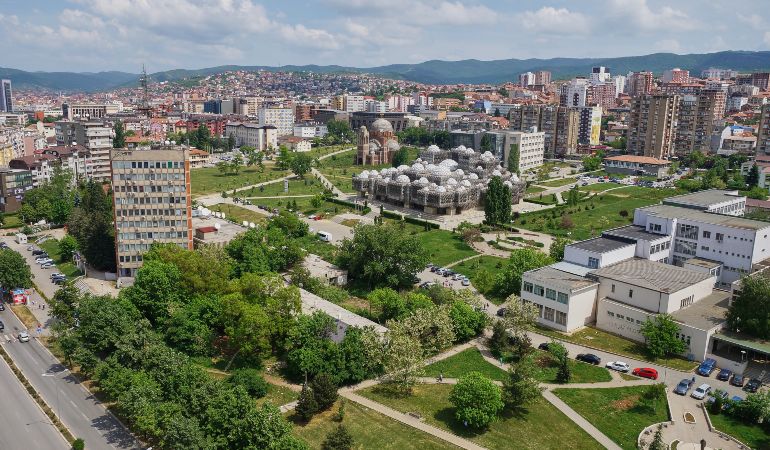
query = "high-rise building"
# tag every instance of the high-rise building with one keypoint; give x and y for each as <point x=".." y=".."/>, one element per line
<point x="542" y="77"/>
<point x="574" y="93"/>
<point x="599" y="74"/>
<point x="6" y="96"/>
<point x="652" y="125"/>
<point x="763" y="141"/>
<point x="676" y="75"/>
<point x="761" y="80"/>
<point x="354" y="103"/>
<point x="620" y="84"/>
<point x="13" y="184"/>
<point x="696" y="121"/>
<point x="601" y="94"/>
<point x="281" y="118"/>
<point x="558" y="123"/>
<point x="639" y="83"/>
<point x="526" y="79"/>
<point x="96" y="137"/>
<point x="151" y="198"/>
<point x="589" y="125"/>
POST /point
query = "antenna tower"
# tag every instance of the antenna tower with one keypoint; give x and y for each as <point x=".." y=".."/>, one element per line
<point x="145" y="105"/>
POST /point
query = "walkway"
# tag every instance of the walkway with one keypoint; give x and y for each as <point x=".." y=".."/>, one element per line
<point x="327" y="184"/>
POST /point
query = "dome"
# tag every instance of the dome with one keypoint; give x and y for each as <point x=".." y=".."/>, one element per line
<point x="364" y="173"/>
<point x="441" y="189"/>
<point x="507" y="183"/>
<point x="487" y="154"/>
<point x="433" y="148"/>
<point x="469" y="151"/>
<point x="423" y="180"/>
<point x="459" y="172"/>
<point x="514" y="178"/>
<point x="392" y="145"/>
<point x="430" y="167"/>
<point x="402" y="167"/>
<point x="374" y="145"/>
<point x="461" y="148"/>
<point x="418" y="166"/>
<point x="381" y="125"/>
<point x="451" y="182"/>
<point x="374" y="173"/>
<point x="473" y="176"/>
<point x="402" y="179"/>
<point x="448" y="163"/>
<point x="466" y="183"/>
<point x="441" y="170"/>
<point x="496" y="173"/>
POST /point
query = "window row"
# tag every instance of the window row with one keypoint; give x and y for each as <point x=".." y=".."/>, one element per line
<point x="150" y="176"/>
<point x="151" y="188"/>
<point x="548" y="293"/>
<point x="150" y="223"/>
<point x="148" y="165"/>
<point x="153" y="235"/>
<point x="149" y="200"/>
<point x="129" y="212"/>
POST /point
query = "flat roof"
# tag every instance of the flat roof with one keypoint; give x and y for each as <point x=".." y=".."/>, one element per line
<point x="706" y="313"/>
<point x="600" y="244"/>
<point x="703" y="262"/>
<point x="550" y="273"/>
<point x="678" y="212"/>
<point x="226" y="233"/>
<point x="703" y="198"/>
<point x="651" y="275"/>
<point x="744" y="341"/>
<point x="634" y="232"/>
<point x="312" y="303"/>
<point x="638" y="160"/>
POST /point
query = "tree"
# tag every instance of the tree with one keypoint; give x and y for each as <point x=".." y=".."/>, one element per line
<point x="402" y="361"/>
<point x="500" y="340"/>
<point x="591" y="163"/>
<point x="338" y="439"/>
<point x="230" y="142"/>
<point x="556" y="251"/>
<point x="749" y="312"/>
<point x="389" y="303"/>
<point x="471" y="235"/>
<point x="756" y="193"/>
<point x="401" y="157"/>
<point x="753" y="177"/>
<point x="382" y="256"/>
<point x="306" y="404"/>
<point x="432" y="327"/>
<point x="301" y="164"/>
<point x="91" y="225"/>
<point x="508" y="279"/>
<point x="324" y="390"/>
<point x="497" y="204"/>
<point x="476" y="399"/>
<point x="14" y="270"/>
<point x="521" y="387"/>
<point x="251" y="380"/>
<point x="119" y="141"/>
<point x="67" y="247"/>
<point x="155" y="290"/>
<point x="657" y="440"/>
<point x="78" y="444"/>
<point x="339" y="132"/>
<point x="660" y="334"/>
<point x="467" y="322"/>
<point x="560" y="354"/>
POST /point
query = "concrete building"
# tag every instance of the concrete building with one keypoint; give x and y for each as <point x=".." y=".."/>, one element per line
<point x="575" y="93"/>
<point x="599" y="74"/>
<point x="89" y="111"/>
<point x="589" y="125"/>
<point x="519" y="151"/>
<point x="637" y="165"/>
<point x="542" y="78"/>
<point x="6" y="96"/>
<point x="676" y="75"/>
<point x="260" y="137"/>
<point x="324" y="270"/>
<point x="559" y="123"/>
<point x="198" y="158"/>
<point x="602" y="94"/>
<point x="151" y="198"/>
<point x="310" y="130"/>
<point x="14" y="183"/>
<point x="353" y="103"/>
<point x="695" y="121"/>
<point x="281" y="118"/>
<point x="763" y="131"/>
<point x="652" y="125"/>
<point x="213" y="232"/>
<point x="718" y="74"/>
<point x="526" y="79"/>
<point x="96" y="136"/>
<point x="639" y="83"/>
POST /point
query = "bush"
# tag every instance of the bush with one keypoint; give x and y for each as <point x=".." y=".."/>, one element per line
<point x="324" y="390"/>
<point x="78" y="444"/>
<point x="339" y="439"/>
<point x="251" y="380"/>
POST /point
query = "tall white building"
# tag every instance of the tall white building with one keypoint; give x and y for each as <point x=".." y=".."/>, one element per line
<point x="6" y="96"/>
<point x="375" y="106"/>
<point x="576" y="92"/>
<point x="354" y="103"/>
<point x="599" y="74"/>
<point x="281" y="118"/>
<point x="531" y="146"/>
<point x="526" y="79"/>
<point x="620" y="84"/>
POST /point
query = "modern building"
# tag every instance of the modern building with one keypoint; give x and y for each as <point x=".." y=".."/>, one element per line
<point x="518" y="151"/>
<point x="281" y="118"/>
<point x="397" y="120"/>
<point x="676" y="75"/>
<point x="542" y="78"/>
<point x="377" y="143"/>
<point x="639" y="83"/>
<point x="260" y="137"/>
<point x="310" y="130"/>
<point x="652" y="125"/>
<point x="637" y="165"/>
<point x="198" y="158"/>
<point x="559" y="123"/>
<point x="526" y="79"/>
<point x="602" y="94"/>
<point x="6" y="96"/>
<point x="718" y="74"/>
<point x="151" y="198"/>
<point x="589" y="125"/>
<point x="575" y="93"/>
<point x="88" y="111"/>
<point x="599" y="74"/>
<point x="14" y="183"/>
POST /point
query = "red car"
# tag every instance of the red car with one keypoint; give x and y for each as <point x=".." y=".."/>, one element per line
<point x="646" y="372"/>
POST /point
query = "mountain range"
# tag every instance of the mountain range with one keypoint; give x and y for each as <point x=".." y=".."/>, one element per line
<point x="435" y="71"/>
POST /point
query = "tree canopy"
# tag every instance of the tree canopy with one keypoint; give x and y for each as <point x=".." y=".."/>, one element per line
<point x="508" y="279"/>
<point x="660" y="334"/>
<point x="750" y="310"/>
<point x="477" y="400"/>
<point x="14" y="270"/>
<point x="497" y="204"/>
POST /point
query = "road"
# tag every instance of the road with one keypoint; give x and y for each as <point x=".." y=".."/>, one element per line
<point x="25" y="426"/>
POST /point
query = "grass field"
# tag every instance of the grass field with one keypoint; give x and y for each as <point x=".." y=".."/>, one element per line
<point x="466" y="361"/>
<point x="370" y="430"/>
<point x="534" y="190"/>
<point x="599" y="187"/>
<point x="540" y="426"/>
<point x="620" y="413"/>
<point x="558" y="182"/>
<point x="51" y="246"/>
<point x="605" y="341"/>
<point x="278" y="395"/>
<point x="209" y="180"/>
<point x="445" y="247"/>
<point x="581" y="372"/>
<point x="308" y="186"/>
<point x="752" y="435"/>
<point x="11" y="221"/>
<point x="238" y="214"/>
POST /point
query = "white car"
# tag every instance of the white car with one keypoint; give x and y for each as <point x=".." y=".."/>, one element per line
<point x="466" y="282"/>
<point x="45" y="261"/>
<point x="46" y="266"/>
<point x="620" y="366"/>
<point x="701" y="391"/>
<point x="23" y="336"/>
<point x="458" y="277"/>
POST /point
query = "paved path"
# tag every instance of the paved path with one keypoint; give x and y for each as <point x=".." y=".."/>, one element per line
<point x="328" y="184"/>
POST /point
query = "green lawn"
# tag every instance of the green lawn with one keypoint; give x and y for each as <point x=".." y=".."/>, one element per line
<point x="753" y="435"/>
<point x="309" y="186"/>
<point x="466" y="361"/>
<point x="238" y="214"/>
<point x="599" y="187"/>
<point x="558" y="182"/>
<point x="609" y="342"/>
<point x="278" y="395"/>
<point x="620" y="413"/>
<point x="209" y="180"/>
<point x="445" y="247"/>
<point x="581" y="372"/>
<point x="540" y="426"/>
<point x="11" y="221"/>
<point x="51" y="246"/>
<point x="314" y="245"/>
<point x="342" y="182"/>
<point x="304" y="206"/>
<point x="534" y="190"/>
<point x="370" y="430"/>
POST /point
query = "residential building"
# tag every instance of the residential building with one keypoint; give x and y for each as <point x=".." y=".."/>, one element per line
<point x="530" y="146"/>
<point x="250" y="134"/>
<point x="353" y="103"/>
<point x="152" y="203"/>
<point x="14" y="183"/>
<point x="375" y="106"/>
<point x="637" y="165"/>
<point x="575" y="92"/>
<point x="718" y="74"/>
<point x="310" y="130"/>
<point x="281" y="118"/>
<point x="589" y="125"/>
<point x="542" y="77"/>
<point x="560" y="125"/>
<point x="695" y="123"/>
<point x="89" y="110"/>
<point x="639" y="83"/>
<point x="198" y="158"/>
<point x="96" y="136"/>
<point x="763" y="131"/>
<point x="599" y="74"/>
<point x="526" y="79"/>
<point x="652" y="125"/>
<point x="676" y="75"/>
<point x="620" y="84"/>
<point x="761" y="80"/>
<point x="6" y="96"/>
<point x="7" y="153"/>
<point x="295" y="143"/>
<point x="601" y="94"/>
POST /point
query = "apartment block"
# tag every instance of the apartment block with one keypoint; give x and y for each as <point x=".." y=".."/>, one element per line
<point x="652" y="125"/>
<point x="260" y="137"/>
<point x="151" y="197"/>
<point x="14" y="183"/>
<point x="696" y="121"/>
<point x="281" y="118"/>
<point x="639" y="83"/>
<point x="763" y="139"/>
<point x="542" y="77"/>
<point x="526" y="148"/>
<point x="589" y="125"/>
<point x="676" y="75"/>
<point x="559" y="123"/>
<point x="526" y="79"/>
<point x="6" y="96"/>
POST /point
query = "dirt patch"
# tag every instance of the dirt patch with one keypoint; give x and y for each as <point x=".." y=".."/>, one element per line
<point x="544" y="361"/>
<point x="626" y="403"/>
<point x="350" y="222"/>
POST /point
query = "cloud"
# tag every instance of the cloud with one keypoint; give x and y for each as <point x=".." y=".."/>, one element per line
<point x="753" y="20"/>
<point x="639" y="14"/>
<point x="767" y="38"/>
<point x="552" y="20"/>
<point x="418" y="12"/>
<point x="668" y="46"/>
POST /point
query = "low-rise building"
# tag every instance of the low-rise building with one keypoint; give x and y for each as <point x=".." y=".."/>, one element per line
<point x="198" y="158"/>
<point x="14" y="183"/>
<point x="637" y="165"/>
<point x="319" y="268"/>
<point x="260" y="137"/>
<point x="210" y="231"/>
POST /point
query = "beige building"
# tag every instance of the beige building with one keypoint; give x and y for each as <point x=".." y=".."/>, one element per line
<point x="696" y="121"/>
<point x="559" y="123"/>
<point x="198" y="158"/>
<point x="652" y="125"/>
<point x="763" y="141"/>
<point x="151" y="197"/>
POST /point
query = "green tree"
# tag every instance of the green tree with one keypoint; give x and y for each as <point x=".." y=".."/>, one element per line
<point x="251" y="380"/>
<point x="467" y="322"/>
<point x="477" y="400"/>
<point x="338" y="439"/>
<point x="324" y="390"/>
<point x="752" y="179"/>
<point x="306" y="404"/>
<point x="657" y="440"/>
<point x="500" y="340"/>
<point x="67" y="247"/>
<point x="749" y="312"/>
<point x="301" y="164"/>
<point x="339" y="132"/>
<point x="156" y="290"/>
<point x="14" y="270"/>
<point x="119" y="141"/>
<point x="91" y="225"/>
<point x="402" y="361"/>
<point x="401" y="157"/>
<point x="202" y="137"/>
<point x="521" y="387"/>
<point x="591" y="163"/>
<point x="660" y="334"/>
<point x="508" y="279"/>
<point x="514" y="156"/>
<point x="382" y="255"/>
<point x="497" y="204"/>
<point x="556" y="252"/>
<point x="230" y="142"/>
<point x="78" y="444"/>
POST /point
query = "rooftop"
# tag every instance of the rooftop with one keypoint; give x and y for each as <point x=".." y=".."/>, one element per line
<point x="707" y="313"/>
<point x="702" y="262"/>
<point x="559" y="277"/>
<point x="703" y="198"/>
<point x="639" y="160"/>
<point x="227" y="230"/>
<point x="343" y="317"/>
<point x="600" y="245"/>
<point x="677" y="212"/>
<point x="635" y="232"/>
<point x="651" y="275"/>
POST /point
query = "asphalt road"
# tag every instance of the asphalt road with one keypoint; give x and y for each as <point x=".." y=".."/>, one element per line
<point x="25" y="426"/>
<point x="75" y="406"/>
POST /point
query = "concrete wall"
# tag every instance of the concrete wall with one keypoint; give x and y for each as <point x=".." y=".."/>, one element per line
<point x="580" y="256"/>
<point x="618" y="321"/>
<point x="642" y="298"/>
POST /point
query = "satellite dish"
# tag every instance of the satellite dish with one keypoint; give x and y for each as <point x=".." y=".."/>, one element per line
<point x="217" y="226"/>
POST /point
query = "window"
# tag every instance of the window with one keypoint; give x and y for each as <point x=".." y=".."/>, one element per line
<point x="610" y="313"/>
<point x="706" y="234"/>
<point x="527" y="286"/>
<point x="720" y="237"/>
<point x="593" y="263"/>
<point x="621" y="316"/>
<point x="613" y="288"/>
<point x="561" y="318"/>
<point x="548" y="314"/>
<point x="687" y="231"/>
<point x="550" y="294"/>
<point x="539" y="290"/>
<point x="630" y="293"/>
<point x="686" y="301"/>
<point x="562" y="298"/>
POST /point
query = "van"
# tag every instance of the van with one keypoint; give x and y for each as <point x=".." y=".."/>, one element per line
<point x="325" y="236"/>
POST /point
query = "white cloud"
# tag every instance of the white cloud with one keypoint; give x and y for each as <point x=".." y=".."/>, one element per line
<point x="767" y="38"/>
<point x="753" y="20"/>
<point x="552" y="20"/>
<point x="668" y="46"/>
<point x="639" y="14"/>
<point x="417" y="12"/>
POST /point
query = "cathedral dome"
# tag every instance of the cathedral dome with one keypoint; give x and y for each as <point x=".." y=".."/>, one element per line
<point x="382" y="126"/>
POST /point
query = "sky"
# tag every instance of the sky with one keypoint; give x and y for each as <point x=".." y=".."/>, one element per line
<point x="101" y="35"/>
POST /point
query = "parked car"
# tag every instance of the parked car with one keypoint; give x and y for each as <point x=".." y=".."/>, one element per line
<point x="738" y="380"/>
<point x="30" y="248"/>
<point x="701" y="391"/>
<point x="434" y="268"/>
<point x="46" y="265"/>
<point x="45" y="261"/>
<point x="753" y="385"/>
<point x="620" y="366"/>
<point x="457" y="277"/>
<point x="37" y="252"/>
<point x="23" y="336"/>
<point x="2" y="326"/>
<point x="466" y="282"/>
<point x="646" y="372"/>
<point x="683" y="387"/>
<point x="427" y="284"/>
<point x="544" y="346"/>
<point x="589" y="358"/>
<point x="2" y="306"/>
<point x="724" y="374"/>
<point x="718" y="393"/>
<point x="706" y="367"/>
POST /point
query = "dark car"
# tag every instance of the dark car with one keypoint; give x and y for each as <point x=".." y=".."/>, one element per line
<point x="2" y="326"/>
<point x="753" y="385"/>
<point x="683" y="387"/>
<point x="2" y="306"/>
<point x="724" y="374"/>
<point x="589" y="358"/>
<point x="544" y="346"/>
<point x="706" y="367"/>
<point x="501" y="312"/>
<point x="37" y="252"/>
<point x="738" y="380"/>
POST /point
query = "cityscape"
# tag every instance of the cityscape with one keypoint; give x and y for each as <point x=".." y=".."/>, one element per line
<point x="347" y="225"/>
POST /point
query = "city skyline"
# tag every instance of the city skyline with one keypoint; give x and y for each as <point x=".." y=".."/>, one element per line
<point x="102" y="35"/>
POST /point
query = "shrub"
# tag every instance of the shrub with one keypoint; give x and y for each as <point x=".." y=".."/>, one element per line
<point x="78" y="444"/>
<point x="251" y="380"/>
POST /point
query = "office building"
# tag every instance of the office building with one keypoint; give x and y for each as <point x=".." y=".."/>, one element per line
<point x="281" y="118"/>
<point x="620" y="84"/>
<point x="151" y="197"/>
<point x="90" y="110"/>
<point x="353" y="103"/>
<point x="96" y="137"/>
<point x="637" y="165"/>
<point x="14" y="183"/>
<point x="250" y="134"/>
<point x="761" y="80"/>
<point x="652" y="125"/>
<point x="559" y="124"/>
<point x="695" y="122"/>
<point x="589" y="125"/>
<point x="6" y="96"/>
<point x="310" y="130"/>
